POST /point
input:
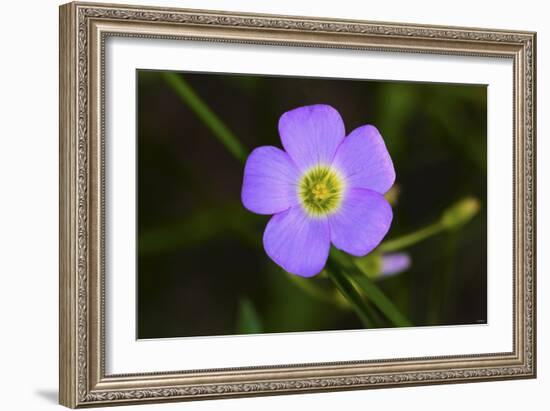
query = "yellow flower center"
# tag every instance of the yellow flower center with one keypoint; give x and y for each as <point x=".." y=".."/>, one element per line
<point x="320" y="190"/>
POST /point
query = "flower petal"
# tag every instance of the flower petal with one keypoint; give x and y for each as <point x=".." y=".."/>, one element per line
<point x="363" y="220"/>
<point x="270" y="179"/>
<point x="394" y="263"/>
<point x="311" y="134"/>
<point x="364" y="160"/>
<point x="298" y="243"/>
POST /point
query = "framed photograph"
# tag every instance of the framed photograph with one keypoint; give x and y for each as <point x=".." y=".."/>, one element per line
<point x="258" y="204"/>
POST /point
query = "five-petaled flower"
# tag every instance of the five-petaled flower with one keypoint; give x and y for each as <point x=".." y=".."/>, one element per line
<point x="324" y="188"/>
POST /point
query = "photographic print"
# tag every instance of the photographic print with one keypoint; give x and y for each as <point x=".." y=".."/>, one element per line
<point x="259" y="204"/>
<point x="275" y="204"/>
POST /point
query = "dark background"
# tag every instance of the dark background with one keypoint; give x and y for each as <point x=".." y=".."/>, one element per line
<point x="201" y="266"/>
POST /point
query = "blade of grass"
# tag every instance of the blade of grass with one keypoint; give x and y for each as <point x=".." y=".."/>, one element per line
<point x="206" y="115"/>
<point x="347" y="289"/>
<point x="312" y="289"/>
<point x="379" y="299"/>
<point x="370" y="289"/>
<point x="248" y="321"/>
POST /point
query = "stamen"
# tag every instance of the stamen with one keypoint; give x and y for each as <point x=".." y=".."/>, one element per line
<point x="320" y="190"/>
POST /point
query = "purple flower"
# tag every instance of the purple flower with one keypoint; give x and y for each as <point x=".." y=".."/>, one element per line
<point x="394" y="263"/>
<point x="324" y="188"/>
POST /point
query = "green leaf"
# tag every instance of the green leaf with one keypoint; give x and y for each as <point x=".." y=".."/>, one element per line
<point x="345" y="286"/>
<point x="248" y="319"/>
<point x="370" y="289"/>
<point x="379" y="299"/>
<point x="310" y="287"/>
<point x="206" y="115"/>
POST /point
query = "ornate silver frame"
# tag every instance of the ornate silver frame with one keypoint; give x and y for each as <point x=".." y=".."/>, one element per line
<point x="83" y="30"/>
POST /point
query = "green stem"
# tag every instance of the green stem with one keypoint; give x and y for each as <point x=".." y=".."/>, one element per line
<point x="206" y="115"/>
<point x="346" y="287"/>
<point x="451" y="219"/>
<point x="412" y="238"/>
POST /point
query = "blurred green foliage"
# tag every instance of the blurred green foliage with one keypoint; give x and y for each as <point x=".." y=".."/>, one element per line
<point x="201" y="266"/>
<point x="248" y="319"/>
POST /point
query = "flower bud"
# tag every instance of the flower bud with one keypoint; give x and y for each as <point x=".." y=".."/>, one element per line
<point x="460" y="213"/>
